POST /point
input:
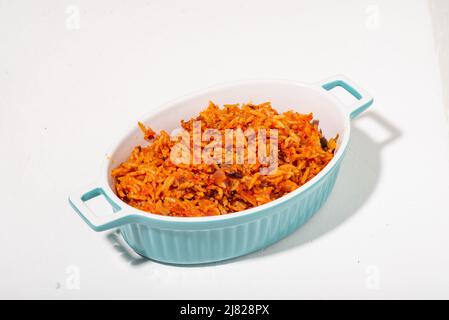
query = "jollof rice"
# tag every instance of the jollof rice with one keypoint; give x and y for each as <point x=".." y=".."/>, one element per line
<point x="150" y="181"/>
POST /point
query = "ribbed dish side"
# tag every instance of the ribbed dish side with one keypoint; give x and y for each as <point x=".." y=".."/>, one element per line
<point x="203" y="246"/>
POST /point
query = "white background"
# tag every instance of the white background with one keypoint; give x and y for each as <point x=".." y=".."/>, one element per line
<point x="74" y="73"/>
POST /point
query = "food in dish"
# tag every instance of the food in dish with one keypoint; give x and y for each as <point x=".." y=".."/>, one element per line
<point x="151" y="180"/>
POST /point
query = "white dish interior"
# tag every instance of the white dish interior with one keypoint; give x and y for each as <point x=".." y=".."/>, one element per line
<point x="283" y="95"/>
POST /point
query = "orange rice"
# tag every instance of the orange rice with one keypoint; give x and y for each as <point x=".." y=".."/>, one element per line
<point x="150" y="181"/>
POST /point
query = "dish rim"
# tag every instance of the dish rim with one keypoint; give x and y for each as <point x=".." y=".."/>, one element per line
<point x="132" y="211"/>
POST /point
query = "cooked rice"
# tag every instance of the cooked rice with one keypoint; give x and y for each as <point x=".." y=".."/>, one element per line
<point x="150" y="181"/>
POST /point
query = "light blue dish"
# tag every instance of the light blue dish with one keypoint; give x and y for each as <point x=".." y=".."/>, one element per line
<point x="179" y="240"/>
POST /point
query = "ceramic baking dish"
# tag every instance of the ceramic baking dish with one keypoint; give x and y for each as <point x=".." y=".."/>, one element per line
<point x="193" y="240"/>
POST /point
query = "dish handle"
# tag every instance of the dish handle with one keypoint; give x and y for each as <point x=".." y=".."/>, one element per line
<point x="364" y="100"/>
<point x="97" y="222"/>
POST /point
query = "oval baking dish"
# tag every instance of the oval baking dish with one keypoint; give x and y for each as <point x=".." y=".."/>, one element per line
<point x="193" y="240"/>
